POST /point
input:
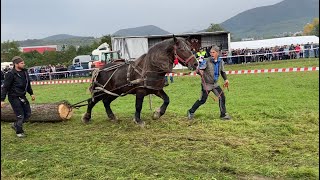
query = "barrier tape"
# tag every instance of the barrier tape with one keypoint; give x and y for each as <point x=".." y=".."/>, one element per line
<point x="74" y="72"/>
<point x="255" y="71"/>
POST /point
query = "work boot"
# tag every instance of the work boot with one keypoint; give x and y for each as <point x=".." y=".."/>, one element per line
<point x="21" y="135"/>
<point x="190" y="115"/>
<point x="225" y="117"/>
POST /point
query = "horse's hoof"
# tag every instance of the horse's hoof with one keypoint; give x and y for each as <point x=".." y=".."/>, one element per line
<point x="139" y="122"/>
<point x="113" y="119"/>
<point x="156" y="115"/>
<point x="86" y="118"/>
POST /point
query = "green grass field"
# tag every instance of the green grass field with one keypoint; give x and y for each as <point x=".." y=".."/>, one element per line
<point x="274" y="133"/>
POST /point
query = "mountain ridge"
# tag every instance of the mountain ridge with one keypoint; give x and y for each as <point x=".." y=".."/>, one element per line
<point x="141" y="31"/>
<point x="291" y="15"/>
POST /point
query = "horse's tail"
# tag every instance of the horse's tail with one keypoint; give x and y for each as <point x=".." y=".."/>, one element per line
<point x="95" y="74"/>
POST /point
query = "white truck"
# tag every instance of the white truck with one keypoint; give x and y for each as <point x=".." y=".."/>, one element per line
<point x="103" y="55"/>
<point x="82" y="60"/>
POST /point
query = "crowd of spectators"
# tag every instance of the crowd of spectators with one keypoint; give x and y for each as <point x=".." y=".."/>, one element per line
<point x="44" y="72"/>
<point x="51" y="72"/>
<point x="240" y="56"/>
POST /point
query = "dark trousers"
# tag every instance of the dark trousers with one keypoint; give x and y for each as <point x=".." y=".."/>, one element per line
<point x="22" y="110"/>
<point x="204" y="96"/>
<point x="171" y="79"/>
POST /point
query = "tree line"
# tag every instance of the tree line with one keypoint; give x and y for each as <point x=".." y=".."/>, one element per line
<point x="9" y="49"/>
<point x="312" y="28"/>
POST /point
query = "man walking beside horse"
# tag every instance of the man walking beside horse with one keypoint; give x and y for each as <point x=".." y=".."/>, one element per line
<point x="210" y="70"/>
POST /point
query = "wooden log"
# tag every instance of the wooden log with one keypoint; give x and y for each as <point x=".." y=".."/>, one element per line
<point x="54" y="112"/>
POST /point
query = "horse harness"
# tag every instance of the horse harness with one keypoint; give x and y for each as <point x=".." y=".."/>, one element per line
<point x="141" y="82"/>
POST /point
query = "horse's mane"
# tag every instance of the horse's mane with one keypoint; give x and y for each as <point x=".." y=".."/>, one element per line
<point x="160" y="57"/>
<point x="140" y="61"/>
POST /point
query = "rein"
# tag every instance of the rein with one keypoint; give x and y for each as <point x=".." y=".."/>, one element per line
<point x="212" y="97"/>
<point x="178" y="57"/>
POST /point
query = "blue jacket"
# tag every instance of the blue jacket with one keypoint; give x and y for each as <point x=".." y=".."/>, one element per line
<point x="216" y="67"/>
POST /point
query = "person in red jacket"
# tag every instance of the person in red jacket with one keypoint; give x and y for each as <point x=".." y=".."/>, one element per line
<point x="297" y="50"/>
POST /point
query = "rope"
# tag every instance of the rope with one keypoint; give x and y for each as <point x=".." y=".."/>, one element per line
<point x="212" y="97"/>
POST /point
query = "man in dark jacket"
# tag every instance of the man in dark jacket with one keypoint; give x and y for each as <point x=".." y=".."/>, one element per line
<point x="210" y="70"/>
<point x="16" y="85"/>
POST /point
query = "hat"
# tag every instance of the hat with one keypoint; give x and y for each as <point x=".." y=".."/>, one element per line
<point x="17" y="60"/>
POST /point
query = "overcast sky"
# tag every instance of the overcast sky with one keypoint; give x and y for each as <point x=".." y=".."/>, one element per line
<point x="35" y="19"/>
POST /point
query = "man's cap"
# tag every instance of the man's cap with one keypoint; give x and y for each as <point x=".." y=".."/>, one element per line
<point x="17" y="60"/>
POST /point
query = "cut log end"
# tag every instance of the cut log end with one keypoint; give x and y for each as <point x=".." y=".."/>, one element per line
<point x="65" y="111"/>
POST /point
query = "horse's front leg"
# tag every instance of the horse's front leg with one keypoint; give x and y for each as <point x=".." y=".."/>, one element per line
<point x="139" y="101"/>
<point x="159" y="112"/>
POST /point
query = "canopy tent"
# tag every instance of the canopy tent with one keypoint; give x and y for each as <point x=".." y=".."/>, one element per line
<point x="274" y="42"/>
<point x="130" y="48"/>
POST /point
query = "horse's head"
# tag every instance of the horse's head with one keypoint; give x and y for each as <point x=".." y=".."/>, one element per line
<point x="182" y="52"/>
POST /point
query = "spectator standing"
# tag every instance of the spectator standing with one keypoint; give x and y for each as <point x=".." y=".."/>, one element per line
<point x="175" y="62"/>
<point x="306" y="50"/>
<point x="297" y="50"/>
<point x="316" y="50"/>
<point x="311" y="52"/>
<point x="301" y="51"/>
<point x="201" y="52"/>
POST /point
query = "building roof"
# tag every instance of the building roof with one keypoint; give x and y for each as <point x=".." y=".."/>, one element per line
<point x="178" y="35"/>
<point x="40" y="49"/>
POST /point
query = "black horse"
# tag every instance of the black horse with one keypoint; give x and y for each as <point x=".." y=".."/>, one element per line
<point x="141" y="77"/>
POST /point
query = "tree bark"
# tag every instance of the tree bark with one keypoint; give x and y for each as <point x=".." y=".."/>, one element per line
<point x="54" y="112"/>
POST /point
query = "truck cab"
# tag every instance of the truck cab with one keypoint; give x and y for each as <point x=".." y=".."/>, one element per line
<point x="103" y="55"/>
<point x="82" y="61"/>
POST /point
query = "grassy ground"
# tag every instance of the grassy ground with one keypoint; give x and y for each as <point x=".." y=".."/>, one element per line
<point x="274" y="134"/>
